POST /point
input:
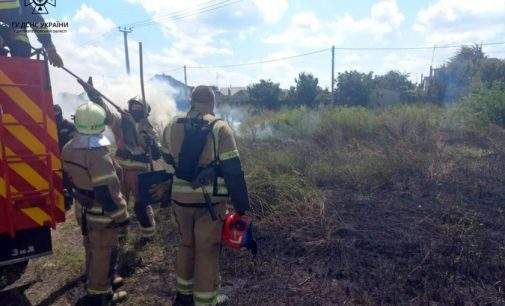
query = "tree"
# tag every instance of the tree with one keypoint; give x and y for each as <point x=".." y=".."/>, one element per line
<point x="396" y="81"/>
<point x="265" y="95"/>
<point x="459" y="75"/>
<point x="323" y="97"/>
<point x="307" y="89"/>
<point x="492" y="71"/>
<point x="354" y="88"/>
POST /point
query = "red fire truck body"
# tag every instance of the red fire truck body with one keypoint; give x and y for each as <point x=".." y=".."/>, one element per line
<point x="31" y="194"/>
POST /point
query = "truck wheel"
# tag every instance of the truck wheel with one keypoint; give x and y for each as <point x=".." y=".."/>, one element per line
<point x="11" y="273"/>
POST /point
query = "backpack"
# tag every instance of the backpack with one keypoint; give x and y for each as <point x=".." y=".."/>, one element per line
<point x="196" y="131"/>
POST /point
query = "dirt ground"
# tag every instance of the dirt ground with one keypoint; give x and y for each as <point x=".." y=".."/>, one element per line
<point x="358" y="250"/>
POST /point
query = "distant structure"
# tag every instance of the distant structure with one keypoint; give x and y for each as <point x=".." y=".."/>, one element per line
<point x="176" y="89"/>
<point x="384" y="97"/>
<point x="230" y="91"/>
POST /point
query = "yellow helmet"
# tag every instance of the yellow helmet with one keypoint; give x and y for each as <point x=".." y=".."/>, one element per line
<point x="90" y="119"/>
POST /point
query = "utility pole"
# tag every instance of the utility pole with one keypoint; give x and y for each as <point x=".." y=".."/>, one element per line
<point x="141" y="65"/>
<point x="332" y="69"/>
<point x="125" y="35"/>
<point x="186" y="82"/>
<point x="432" y="72"/>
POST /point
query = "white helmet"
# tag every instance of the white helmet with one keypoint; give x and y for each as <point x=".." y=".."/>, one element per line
<point x="90" y="119"/>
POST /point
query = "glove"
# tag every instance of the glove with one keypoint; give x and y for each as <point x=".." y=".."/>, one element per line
<point x="54" y="57"/>
<point x="93" y="95"/>
<point x="204" y="178"/>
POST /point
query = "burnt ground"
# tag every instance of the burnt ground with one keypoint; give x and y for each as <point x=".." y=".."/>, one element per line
<point x="357" y="249"/>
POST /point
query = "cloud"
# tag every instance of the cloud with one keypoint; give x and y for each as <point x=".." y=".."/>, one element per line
<point x="461" y="21"/>
<point x="272" y="11"/>
<point x="307" y="30"/>
<point x="101" y="55"/>
<point x="91" y="22"/>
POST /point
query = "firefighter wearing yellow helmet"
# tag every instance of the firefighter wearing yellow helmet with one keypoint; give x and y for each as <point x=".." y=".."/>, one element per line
<point x="101" y="207"/>
<point x="208" y="172"/>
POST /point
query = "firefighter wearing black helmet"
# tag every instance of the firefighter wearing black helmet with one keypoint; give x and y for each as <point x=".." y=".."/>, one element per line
<point x="137" y="146"/>
<point x="66" y="130"/>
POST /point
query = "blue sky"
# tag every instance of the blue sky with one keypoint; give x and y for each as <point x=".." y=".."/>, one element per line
<point x="255" y="30"/>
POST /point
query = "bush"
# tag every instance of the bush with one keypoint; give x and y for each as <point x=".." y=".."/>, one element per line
<point x="484" y="106"/>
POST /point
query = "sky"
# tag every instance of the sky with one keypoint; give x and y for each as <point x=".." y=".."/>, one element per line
<point x="202" y="33"/>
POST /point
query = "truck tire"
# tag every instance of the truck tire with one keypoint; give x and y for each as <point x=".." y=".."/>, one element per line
<point x="11" y="273"/>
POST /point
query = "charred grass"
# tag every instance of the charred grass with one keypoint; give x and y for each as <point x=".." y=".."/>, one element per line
<point x="352" y="207"/>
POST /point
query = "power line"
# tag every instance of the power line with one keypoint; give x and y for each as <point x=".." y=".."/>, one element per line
<point x="206" y="7"/>
<point x="415" y="48"/>
<point x="339" y="48"/>
<point x="260" y="62"/>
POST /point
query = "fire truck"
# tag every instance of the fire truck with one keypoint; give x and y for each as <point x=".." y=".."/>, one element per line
<point x="31" y="192"/>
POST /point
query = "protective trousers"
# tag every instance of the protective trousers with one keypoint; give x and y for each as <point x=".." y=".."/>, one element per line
<point x="197" y="264"/>
<point x="101" y="246"/>
<point x="144" y="213"/>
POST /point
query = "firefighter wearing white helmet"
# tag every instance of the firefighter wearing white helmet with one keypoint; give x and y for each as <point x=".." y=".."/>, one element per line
<point x="100" y="208"/>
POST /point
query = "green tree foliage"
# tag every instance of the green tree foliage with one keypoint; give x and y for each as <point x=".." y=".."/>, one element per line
<point x="265" y="95"/>
<point x="492" y="70"/>
<point x="455" y="79"/>
<point x="307" y="89"/>
<point x="394" y="80"/>
<point x="484" y="106"/>
<point x="397" y="81"/>
<point x="354" y="88"/>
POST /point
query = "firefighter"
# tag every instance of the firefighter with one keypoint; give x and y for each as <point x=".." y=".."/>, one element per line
<point x="137" y="146"/>
<point x="100" y="207"/>
<point x="201" y="141"/>
<point x="15" y="16"/>
<point x="66" y="131"/>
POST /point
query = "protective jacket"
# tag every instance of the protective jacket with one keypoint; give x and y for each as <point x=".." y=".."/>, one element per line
<point x="134" y="140"/>
<point x="220" y="150"/>
<point x="17" y="17"/>
<point x="87" y="161"/>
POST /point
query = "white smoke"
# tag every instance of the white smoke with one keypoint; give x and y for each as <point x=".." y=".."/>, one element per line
<point x="158" y="96"/>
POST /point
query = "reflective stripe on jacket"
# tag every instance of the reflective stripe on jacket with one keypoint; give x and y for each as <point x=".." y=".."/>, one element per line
<point x="9" y="4"/>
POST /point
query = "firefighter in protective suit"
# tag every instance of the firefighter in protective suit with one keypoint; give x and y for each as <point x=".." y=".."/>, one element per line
<point x="15" y="16"/>
<point x="137" y="146"/>
<point x="218" y="178"/>
<point x="100" y="208"/>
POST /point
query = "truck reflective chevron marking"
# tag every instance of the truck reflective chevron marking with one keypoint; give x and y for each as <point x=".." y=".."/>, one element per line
<point x="29" y="140"/>
<point x="26" y="103"/>
<point x="31" y="198"/>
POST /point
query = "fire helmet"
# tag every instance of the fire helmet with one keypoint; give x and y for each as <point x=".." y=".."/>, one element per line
<point x="238" y="233"/>
<point x="89" y="119"/>
<point x="138" y="100"/>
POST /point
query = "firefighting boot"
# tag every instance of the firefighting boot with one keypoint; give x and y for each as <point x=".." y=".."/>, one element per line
<point x="183" y="300"/>
<point x="115" y="298"/>
<point x="222" y="299"/>
<point x="117" y="282"/>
